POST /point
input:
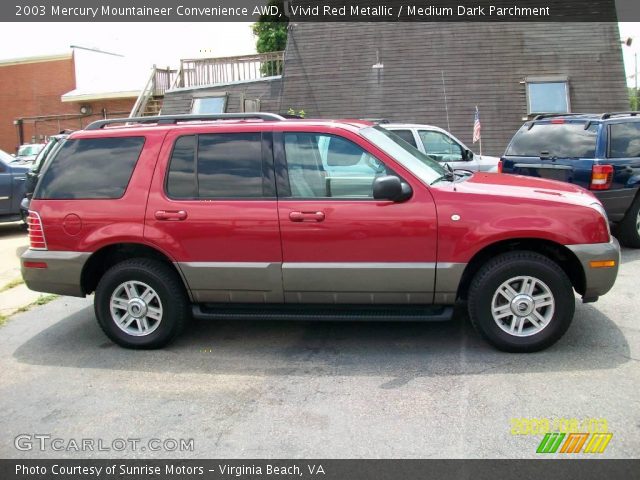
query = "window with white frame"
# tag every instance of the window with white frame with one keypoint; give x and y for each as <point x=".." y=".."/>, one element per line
<point x="548" y="95"/>
<point x="209" y="104"/>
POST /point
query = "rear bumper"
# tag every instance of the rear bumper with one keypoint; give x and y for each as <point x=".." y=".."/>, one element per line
<point x="61" y="276"/>
<point x="616" y="202"/>
<point x="598" y="280"/>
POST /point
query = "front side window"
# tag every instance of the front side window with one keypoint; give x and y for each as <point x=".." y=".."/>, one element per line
<point x="90" y="168"/>
<point x="548" y="97"/>
<point x="625" y="140"/>
<point x="221" y="165"/>
<point x="440" y="147"/>
<point x="410" y="157"/>
<point x="204" y="105"/>
<point x="328" y="166"/>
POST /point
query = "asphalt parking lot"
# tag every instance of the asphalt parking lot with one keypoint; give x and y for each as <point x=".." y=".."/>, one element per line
<point x="317" y="390"/>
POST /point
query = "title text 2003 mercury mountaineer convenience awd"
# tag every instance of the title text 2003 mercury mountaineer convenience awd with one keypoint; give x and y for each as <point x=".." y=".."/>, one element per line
<point x="253" y="215"/>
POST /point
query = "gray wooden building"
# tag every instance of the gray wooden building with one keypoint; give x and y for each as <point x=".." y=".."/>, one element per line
<point x="433" y="73"/>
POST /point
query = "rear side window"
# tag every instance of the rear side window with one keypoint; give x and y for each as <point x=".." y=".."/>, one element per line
<point x="221" y="165"/>
<point x="407" y="136"/>
<point x="91" y="168"/>
<point x="625" y="140"/>
<point x="561" y="140"/>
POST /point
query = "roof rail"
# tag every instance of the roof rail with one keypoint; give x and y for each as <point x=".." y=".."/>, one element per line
<point x="611" y="114"/>
<point x="551" y="115"/>
<point x="173" y="119"/>
<point x="380" y="121"/>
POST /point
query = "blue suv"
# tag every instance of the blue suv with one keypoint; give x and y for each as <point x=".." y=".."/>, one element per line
<point x="13" y="175"/>
<point x="598" y="152"/>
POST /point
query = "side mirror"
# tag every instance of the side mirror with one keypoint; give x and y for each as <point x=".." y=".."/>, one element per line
<point x="467" y="155"/>
<point x="390" y="187"/>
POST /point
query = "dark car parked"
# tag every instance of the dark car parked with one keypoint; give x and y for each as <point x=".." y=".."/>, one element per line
<point x="598" y="152"/>
<point x="12" y="186"/>
<point x="48" y="152"/>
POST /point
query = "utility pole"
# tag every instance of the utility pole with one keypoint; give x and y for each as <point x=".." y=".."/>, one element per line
<point x="636" y="92"/>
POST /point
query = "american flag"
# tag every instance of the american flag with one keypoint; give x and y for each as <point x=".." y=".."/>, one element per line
<point x="476" y="126"/>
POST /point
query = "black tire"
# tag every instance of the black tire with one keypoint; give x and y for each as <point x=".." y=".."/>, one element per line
<point x="170" y="296"/>
<point x="506" y="268"/>
<point x="629" y="227"/>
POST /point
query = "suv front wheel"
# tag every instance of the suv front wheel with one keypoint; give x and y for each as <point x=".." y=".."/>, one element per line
<point x="141" y="303"/>
<point x="521" y="302"/>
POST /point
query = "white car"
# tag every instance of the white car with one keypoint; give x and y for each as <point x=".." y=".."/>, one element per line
<point x="29" y="151"/>
<point x="443" y="147"/>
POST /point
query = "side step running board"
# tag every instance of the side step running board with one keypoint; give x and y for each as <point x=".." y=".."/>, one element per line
<point x="332" y="313"/>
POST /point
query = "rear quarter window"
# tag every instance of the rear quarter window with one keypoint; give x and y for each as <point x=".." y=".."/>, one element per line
<point x="625" y="140"/>
<point x="561" y="140"/>
<point x="91" y="168"/>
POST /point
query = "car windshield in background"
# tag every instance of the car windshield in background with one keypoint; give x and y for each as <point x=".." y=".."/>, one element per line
<point x="555" y="140"/>
<point x="409" y="156"/>
<point x="29" y="150"/>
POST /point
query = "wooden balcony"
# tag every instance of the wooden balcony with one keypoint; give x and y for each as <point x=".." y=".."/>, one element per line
<point x="211" y="71"/>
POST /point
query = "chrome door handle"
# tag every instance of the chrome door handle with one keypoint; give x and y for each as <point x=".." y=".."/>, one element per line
<point x="306" y="216"/>
<point x="171" y="215"/>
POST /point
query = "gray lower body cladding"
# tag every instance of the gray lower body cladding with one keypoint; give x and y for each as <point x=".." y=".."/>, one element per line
<point x="62" y="275"/>
<point x="322" y="283"/>
<point x="598" y="280"/>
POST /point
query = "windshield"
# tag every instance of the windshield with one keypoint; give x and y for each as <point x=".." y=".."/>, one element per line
<point x="29" y="150"/>
<point x="560" y="140"/>
<point x="407" y="155"/>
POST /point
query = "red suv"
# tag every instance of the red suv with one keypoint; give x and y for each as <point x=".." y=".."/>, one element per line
<point x="254" y="215"/>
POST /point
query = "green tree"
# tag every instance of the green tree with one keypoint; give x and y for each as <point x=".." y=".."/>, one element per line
<point x="633" y="99"/>
<point x="271" y="36"/>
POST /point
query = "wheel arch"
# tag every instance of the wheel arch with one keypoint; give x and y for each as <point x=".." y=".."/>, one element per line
<point x="556" y="252"/>
<point x="109" y="255"/>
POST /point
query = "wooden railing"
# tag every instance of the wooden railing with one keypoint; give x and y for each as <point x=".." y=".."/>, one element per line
<point x="212" y="71"/>
<point x="163" y="80"/>
<point x="160" y="81"/>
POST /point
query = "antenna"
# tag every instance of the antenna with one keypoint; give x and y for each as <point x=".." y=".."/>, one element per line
<point x="446" y="104"/>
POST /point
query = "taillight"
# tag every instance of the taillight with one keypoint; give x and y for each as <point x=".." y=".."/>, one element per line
<point x="36" y="232"/>
<point x="601" y="177"/>
<point x="499" y="166"/>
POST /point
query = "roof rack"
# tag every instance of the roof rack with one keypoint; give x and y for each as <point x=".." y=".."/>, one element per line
<point x="380" y="121"/>
<point x="173" y="119"/>
<point x="552" y="115"/>
<point x="611" y="114"/>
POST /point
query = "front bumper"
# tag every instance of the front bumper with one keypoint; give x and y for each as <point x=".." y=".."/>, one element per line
<point x="62" y="274"/>
<point x="598" y="280"/>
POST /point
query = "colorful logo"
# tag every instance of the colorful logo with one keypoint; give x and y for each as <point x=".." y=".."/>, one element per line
<point x="574" y="442"/>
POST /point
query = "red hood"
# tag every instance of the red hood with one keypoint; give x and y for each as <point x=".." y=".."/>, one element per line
<point x="527" y="187"/>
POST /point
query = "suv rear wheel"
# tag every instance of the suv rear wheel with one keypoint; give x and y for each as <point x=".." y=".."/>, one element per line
<point x="629" y="228"/>
<point x="521" y="302"/>
<point x="141" y="303"/>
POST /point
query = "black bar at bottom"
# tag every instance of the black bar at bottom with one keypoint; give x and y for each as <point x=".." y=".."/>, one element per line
<point x="584" y="469"/>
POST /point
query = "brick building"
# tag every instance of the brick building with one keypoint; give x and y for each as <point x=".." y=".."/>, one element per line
<point x="39" y="96"/>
